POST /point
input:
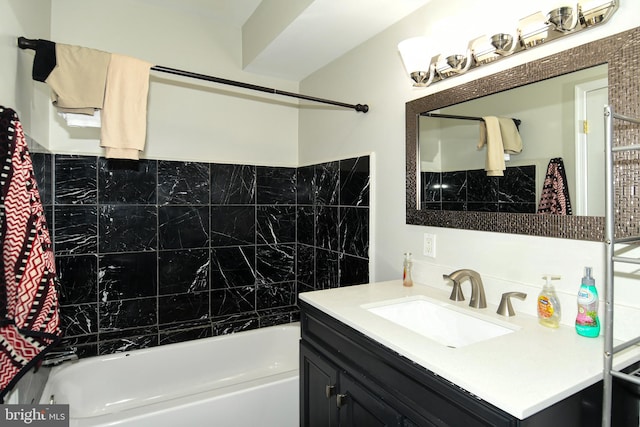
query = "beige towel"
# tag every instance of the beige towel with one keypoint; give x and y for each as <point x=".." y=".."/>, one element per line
<point x="124" y="115"/>
<point x="77" y="81"/>
<point x="511" y="140"/>
<point x="500" y="135"/>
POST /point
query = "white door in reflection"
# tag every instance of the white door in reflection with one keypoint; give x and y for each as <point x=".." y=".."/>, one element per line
<point x="591" y="99"/>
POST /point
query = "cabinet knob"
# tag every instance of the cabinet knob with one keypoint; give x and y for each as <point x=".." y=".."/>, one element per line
<point x="329" y="390"/>
<point x="341" y="400"/>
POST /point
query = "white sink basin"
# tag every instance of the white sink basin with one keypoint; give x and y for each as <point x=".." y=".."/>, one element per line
<point x="438" y="321"/>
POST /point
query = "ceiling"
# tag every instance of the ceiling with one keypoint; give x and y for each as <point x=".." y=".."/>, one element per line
<point x="291" y="39"/>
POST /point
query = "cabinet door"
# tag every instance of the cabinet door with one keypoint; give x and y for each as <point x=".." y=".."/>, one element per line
<point x="318" y="387"/>
<point x="360" y="407"/>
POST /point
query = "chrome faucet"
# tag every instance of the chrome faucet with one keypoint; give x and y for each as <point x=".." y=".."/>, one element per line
<point x="505" y="308"/>
<point x="478" y="300"/>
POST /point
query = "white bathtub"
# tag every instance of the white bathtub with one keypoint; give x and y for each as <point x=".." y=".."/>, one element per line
<point x="243" y="379"/>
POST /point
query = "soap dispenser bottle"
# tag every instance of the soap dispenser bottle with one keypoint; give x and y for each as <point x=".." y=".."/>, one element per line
<point x="407" y="280"/>
<point x="587" y="322"/>
<point x="549" y="312"/>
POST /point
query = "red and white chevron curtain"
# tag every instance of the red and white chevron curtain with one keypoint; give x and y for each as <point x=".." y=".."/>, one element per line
<point x="29" y="320"/>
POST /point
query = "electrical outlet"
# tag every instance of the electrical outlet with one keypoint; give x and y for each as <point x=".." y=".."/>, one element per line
<point x="429" y="247"/>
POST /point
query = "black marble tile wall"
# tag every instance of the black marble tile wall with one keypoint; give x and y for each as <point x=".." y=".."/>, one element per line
<point x="333" y="224"/>
<point x="156" y="252"/>
<point x="474" y="191"/>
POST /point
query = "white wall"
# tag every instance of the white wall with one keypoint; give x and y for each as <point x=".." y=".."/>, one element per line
<point x="373" y="73"/>
<point x="31" y="102"/>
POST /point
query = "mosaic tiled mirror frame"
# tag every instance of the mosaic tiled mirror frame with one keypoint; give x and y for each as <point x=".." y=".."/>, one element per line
<point x="622" y="54"/>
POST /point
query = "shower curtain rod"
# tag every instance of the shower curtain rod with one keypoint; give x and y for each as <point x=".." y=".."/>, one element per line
<point x="25" y="43"/>
<point x="451" y="116"/>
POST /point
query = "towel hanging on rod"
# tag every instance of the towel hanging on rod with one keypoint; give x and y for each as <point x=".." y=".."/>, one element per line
<point x="24" y="43"/>
<point x="84" y="80"/>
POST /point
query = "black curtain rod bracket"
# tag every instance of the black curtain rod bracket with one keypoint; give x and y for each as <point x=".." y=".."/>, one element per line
<point x="452" y="116"/>
<point x="25" y="43"/>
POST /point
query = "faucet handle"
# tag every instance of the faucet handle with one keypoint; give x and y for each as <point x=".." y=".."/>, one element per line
<point x="456" y="292"/>
<point x="505" y="308"/>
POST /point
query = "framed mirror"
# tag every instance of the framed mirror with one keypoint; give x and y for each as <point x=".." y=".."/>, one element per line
<point x="622" y="62"/>
<point x="546" y="116"/>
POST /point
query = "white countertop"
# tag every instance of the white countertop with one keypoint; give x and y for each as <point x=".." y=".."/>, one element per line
<point x="521" y="372"/>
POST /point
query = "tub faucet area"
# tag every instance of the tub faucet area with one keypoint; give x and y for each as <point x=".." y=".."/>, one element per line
<point x="55" y="358"/>
<point x="478" y="299"/>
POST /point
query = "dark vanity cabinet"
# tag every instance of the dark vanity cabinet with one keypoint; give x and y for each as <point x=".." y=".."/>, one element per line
<point x="348" y="379"/>
<point x="318" y="382"/>
<point x="334" y="398"/>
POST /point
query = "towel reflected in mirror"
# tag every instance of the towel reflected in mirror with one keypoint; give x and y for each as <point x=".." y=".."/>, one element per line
<point x="555" y="190"/>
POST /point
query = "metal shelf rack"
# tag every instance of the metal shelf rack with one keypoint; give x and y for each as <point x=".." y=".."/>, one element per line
<point x="610" y="242"/>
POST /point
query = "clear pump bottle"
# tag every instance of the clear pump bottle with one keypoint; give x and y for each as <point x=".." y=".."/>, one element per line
<point x="549" y="312"/>
<point x="406" y="274"/>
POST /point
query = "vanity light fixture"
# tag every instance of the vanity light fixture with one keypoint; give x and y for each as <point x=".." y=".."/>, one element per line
<point x="564" y="18"/>
<point x="593" y="12"/>
<point x="425" y="67"/>
<point x="533" y="30"/>
<point x="485" y="49"/>
<point x="456" y="56"/>
<point x="415" y="56"/>
<point x="439" y="186"/>
<point x="454" y="64"/>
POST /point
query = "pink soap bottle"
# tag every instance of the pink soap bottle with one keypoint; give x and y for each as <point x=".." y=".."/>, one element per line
<point x="406" y="274"/>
